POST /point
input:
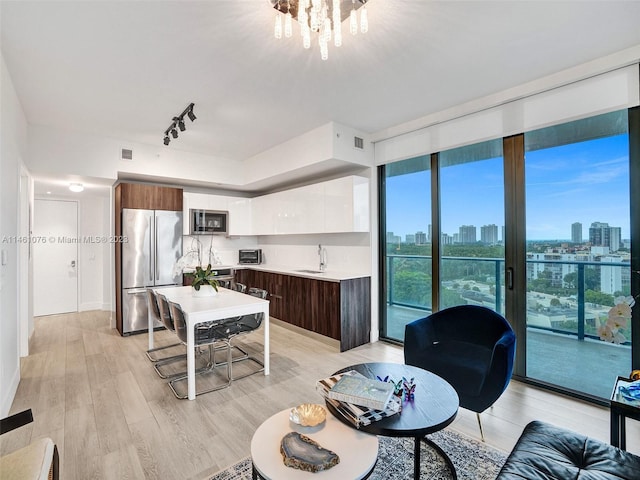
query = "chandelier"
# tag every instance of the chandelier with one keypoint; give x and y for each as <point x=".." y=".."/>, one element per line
<point x="323" y="17"/>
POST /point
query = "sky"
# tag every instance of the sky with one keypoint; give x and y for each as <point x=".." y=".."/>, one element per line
<point x="580" y="182"/>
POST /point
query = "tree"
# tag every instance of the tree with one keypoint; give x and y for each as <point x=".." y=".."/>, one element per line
<point x="598" y="298"/>
<point x="555" y="302"/>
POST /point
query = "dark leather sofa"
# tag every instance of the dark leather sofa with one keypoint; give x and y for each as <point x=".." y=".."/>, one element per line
<point x="551" y="453"/>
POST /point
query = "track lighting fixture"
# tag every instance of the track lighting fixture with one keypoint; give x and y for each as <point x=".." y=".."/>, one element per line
<point x="179" y="123"/>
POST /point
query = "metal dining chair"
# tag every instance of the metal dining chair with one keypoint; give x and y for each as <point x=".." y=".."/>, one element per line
<point x="235" y="327"/>
<point x="210" y="335"/>
<point x="239" y="287"/>
<point x="154" y="311"/>
<point x="167" y="318"/>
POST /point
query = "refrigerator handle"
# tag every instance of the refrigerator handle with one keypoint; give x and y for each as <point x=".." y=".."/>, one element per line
<point x="155" y="252"/>
<point x="151" y="255"/>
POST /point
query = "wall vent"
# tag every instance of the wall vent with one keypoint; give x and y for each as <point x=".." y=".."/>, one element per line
<point x="358" y="143"/>
<point x="127" y="154"/>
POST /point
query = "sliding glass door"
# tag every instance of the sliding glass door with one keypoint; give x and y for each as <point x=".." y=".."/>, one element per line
<point x="472" y="226"/>
<point x="406" y="228"/>
<point x="578" y="251"/>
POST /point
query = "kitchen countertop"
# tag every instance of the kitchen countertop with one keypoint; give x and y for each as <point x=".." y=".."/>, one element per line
<point x="329" y="275"/>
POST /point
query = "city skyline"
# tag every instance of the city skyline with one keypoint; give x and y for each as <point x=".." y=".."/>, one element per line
<point x="491" y="232"/>
<point x="584" y="182"/>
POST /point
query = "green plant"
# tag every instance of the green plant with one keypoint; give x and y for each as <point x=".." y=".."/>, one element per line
<point x="203" y="277"/>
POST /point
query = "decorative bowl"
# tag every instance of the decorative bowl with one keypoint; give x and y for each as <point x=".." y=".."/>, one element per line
<point x="308" y="414"/>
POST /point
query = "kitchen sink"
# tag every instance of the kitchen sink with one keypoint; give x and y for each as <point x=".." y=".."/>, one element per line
<point x="309" y="271"/>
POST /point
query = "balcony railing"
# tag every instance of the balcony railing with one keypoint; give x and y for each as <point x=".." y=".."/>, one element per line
<point x="552" y="304"/>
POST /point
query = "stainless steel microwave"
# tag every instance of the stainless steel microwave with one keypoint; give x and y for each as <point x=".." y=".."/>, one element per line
<point x="209" y="222"/>
<point x="250" y="257"/>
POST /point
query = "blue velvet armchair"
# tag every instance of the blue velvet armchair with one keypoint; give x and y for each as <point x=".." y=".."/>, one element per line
<point x="471" y="347"/>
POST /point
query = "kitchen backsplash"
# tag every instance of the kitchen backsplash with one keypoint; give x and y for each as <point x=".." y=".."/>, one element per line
<point x="345" y="252"/>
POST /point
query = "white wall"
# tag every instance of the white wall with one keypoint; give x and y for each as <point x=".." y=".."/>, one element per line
<point x="226" y="247"/>
<point x="93" y="221"/>
<point x="346" y="252"/>
<point x="13" y="148"/>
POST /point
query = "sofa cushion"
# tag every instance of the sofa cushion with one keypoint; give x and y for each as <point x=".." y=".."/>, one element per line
<point x="552" y="453"/>
<point x="32" y="462"/>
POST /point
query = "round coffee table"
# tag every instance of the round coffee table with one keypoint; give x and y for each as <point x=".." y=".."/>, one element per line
<point x="358" y="451"/>
<point x="435" y="405"/>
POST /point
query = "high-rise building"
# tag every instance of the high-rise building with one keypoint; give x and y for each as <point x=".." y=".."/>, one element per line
<point x="421" y="238"/>
<point x="394" y="239"/>
<point x="467" y="234"/>
<point x="602" y="235"/>
<point x="410" y="239"/>
<point x="615" y="238"/>
<point x="446" y="239"/>
<point x="576" y="232"/>
<point x="599" y="234"/>
<point x="489" y="234"/>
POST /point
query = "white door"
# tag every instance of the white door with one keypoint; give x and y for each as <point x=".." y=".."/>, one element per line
<point x="55" y="257"/>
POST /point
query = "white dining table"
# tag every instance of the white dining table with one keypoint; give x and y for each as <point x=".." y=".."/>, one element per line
<point x="226" y="304"/>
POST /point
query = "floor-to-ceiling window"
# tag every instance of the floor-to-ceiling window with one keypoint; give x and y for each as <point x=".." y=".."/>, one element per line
<point x="576" y="251"/>
<point x="472" y="226"/>
<point x="407" y="244"/>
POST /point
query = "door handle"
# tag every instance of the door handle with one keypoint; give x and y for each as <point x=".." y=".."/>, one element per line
<point x="73" y="264"/>
<point x="510" y="278"/>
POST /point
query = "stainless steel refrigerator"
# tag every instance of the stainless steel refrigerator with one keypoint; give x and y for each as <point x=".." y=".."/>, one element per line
<point x="154" y="244"/>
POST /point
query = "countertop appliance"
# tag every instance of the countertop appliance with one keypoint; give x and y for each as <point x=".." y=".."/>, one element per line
<point x="208" y="222"/>
<point x="154" y="244"/>
<point x="250" y="257"/>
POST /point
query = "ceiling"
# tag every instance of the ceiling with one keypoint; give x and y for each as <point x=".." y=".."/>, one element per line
<point x="123" y="69"/>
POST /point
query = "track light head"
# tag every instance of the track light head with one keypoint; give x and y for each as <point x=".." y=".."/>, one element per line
<point x="177" y="122"/>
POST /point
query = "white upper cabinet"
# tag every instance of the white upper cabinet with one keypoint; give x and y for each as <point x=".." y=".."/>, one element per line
<point x="240" y="216"/>
<point x="346" y="202"/>
<point x="335" y="206"/>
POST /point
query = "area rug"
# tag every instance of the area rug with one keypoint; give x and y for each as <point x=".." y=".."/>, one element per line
<point x="473" y="460"/>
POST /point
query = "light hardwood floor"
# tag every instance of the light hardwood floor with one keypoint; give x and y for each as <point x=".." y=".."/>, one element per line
<point x="96" y="394"/>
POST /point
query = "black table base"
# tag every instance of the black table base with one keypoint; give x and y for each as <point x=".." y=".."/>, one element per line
<point x="437" y="448"/>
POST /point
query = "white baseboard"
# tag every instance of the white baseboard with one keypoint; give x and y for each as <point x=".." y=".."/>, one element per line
<point x="85" y="307"/>
<point x="9" y="393"/>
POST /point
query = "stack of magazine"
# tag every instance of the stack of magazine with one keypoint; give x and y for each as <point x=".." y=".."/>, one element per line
<point x="356" y="396"/>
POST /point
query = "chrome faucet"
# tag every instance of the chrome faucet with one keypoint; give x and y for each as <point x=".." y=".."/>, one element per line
<point x="322" y="253"/>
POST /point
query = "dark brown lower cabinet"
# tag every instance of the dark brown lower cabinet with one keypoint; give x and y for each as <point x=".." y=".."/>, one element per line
<point x="339" y="310"/>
